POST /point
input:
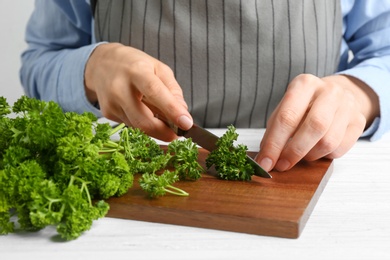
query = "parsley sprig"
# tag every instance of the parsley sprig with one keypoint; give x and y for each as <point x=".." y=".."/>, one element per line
<point x="182" y="157"/>
<point x="159" y="185"/>
<point x="229" y="160"/>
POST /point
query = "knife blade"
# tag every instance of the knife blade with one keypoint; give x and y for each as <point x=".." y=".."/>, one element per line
<point x="208" y="141"/>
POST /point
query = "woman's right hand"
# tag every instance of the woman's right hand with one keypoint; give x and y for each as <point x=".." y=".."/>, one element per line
<point x="131" y="87"/>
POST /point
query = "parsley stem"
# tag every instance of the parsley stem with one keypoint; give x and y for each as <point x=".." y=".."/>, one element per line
<point x="176" y="191"/>
<point x="107" y="150"/>
<point x="52" y="201"/>
<point x="111" y="144"/>
<point x="117" y="128"/>
<point x="83" y="187"/>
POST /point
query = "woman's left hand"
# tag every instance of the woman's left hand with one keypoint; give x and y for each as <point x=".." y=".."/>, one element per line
<point x="317" y="117"/>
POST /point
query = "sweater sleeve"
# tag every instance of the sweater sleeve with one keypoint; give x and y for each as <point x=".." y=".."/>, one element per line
<point x="366" y="30"/>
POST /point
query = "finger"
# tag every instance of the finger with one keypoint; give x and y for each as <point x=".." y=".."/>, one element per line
<point x="345" y="115"/>
<point x="123" y="105"/>
<point x="144" y="119"/>
<point x="354" y="131"/>
<point x="154" y="109"/>
<point x="116" y="118"/>
<point x="138" y="115"/>
<point x="111" y="109"/>
<point x="168" y="79"/>
<point x="161" y="97"/>
<point x="285" y="119"/>
<point x="333" y="138"/>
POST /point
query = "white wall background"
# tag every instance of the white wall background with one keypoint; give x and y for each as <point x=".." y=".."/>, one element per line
<point x="13" y="19"/>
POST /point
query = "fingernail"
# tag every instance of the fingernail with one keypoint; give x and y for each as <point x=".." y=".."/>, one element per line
<point x="185" y="122"/>
<point x="282" y="165"/>
<point x="266" y="163"/>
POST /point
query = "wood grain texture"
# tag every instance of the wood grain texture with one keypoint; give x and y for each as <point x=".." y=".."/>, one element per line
<point x="277" y="207"/>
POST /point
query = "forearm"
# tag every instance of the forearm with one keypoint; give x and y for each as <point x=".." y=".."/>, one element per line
<point x="58" y="35"/>
<point x="57" y="76"/>
<point x="366" y="26"/>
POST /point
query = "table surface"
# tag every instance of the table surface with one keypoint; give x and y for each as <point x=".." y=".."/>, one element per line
<point x="351" y="220"/>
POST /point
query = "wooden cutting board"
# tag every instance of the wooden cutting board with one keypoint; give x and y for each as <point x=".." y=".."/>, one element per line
<point x="277" y="207"/>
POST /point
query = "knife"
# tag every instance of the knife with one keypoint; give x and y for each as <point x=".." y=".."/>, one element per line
<point x="208" y="141"/>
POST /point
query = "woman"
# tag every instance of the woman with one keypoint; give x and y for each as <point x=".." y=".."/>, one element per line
<point x="283" y="65"/>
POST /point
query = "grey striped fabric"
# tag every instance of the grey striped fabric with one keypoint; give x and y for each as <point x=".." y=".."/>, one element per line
<point x="233" y="59"/>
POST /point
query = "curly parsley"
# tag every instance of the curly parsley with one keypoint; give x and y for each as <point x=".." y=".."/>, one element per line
<point x="54" y="165"/>
<point x="230" y="161"/>
<point x="56" y="168"/>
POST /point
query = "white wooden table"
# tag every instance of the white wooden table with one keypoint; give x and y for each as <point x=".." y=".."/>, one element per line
<point x="350" y="221"/>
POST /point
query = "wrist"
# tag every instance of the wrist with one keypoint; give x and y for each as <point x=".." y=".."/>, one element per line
<point x="91" y="71"/>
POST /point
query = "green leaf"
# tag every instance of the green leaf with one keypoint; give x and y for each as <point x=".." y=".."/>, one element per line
<point x="185" y="159"/>
<point x="158" y="185"/>
<point x="5" y="108"/>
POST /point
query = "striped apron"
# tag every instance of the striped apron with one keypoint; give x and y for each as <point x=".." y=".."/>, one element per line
<point x="232" y="58"/>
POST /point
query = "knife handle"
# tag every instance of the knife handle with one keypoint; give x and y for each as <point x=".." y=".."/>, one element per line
<point x="178" y="131"/>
